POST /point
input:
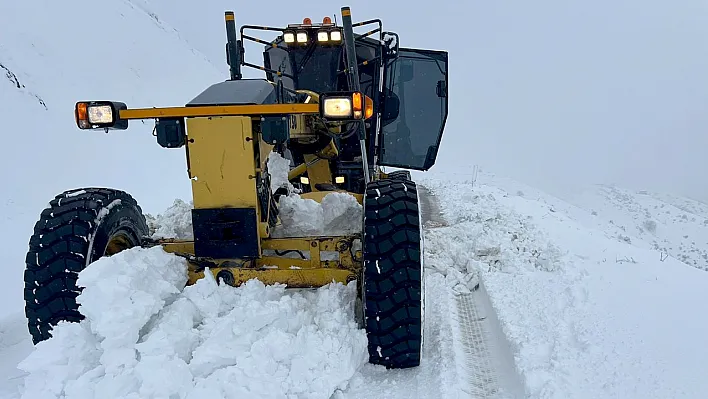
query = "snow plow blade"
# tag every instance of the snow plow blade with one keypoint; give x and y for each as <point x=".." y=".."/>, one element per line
<point x="304" y="278"/>
<point x="319" y="261"/>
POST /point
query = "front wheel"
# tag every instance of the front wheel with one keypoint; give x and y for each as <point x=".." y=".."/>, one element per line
<point x="78" y="227"/>
<point x="392" y="280"/>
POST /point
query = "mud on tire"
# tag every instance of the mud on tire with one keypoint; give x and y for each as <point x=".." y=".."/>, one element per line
<point x="392" y="290"/>
<point x="77" y="228"/>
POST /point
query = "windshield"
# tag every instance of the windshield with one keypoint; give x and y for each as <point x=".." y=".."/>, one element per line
<point x="315" y="68"/>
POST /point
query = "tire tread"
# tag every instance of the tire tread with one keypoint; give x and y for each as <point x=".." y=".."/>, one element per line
<point x="58" y="251"/>
<point x="392" y="273"/>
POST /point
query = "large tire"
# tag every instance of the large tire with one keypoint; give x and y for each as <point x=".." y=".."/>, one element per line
<point x="392" y="276"/>
<point x="400" y="175"/>
<point x="74" y="231"/>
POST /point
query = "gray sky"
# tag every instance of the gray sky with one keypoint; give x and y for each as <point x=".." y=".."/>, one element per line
<point x="550" y="92"/>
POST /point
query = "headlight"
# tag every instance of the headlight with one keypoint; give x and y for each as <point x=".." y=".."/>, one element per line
<point x="338" y="107"/>
<point x="346" y="106"/>
<point x="302" y="37"/>
<point x="289" y="37"/>
<point x="335" y="36"/>
<point x="100" y="114"/>
<point x="322" y="36"/>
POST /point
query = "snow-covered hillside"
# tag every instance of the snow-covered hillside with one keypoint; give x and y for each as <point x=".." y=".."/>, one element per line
<point x="673" y="226"/>
<point x="53" y="54"/>
<point x="564" y="309"/>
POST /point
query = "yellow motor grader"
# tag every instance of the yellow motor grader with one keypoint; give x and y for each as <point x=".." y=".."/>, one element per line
<point x="339" y="106"/>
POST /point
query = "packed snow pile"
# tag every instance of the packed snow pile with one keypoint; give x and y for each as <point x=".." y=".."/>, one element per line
<point x="175" y="222"/>
<point x="337" y="214"/>
<point x="143" y="329"/>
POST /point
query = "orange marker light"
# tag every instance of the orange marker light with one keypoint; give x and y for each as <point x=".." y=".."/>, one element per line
<point x="327" y="20"/>
<point x="82" y="111"/>
<point x="356" y="102"/>
<point x="357" y="106"/>
<point x="307" y="21"/>
<point x="81" y="114"/>
<point x="368" y="107"/>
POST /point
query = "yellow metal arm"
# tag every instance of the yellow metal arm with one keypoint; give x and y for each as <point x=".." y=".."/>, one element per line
<point x="219" y="110"/>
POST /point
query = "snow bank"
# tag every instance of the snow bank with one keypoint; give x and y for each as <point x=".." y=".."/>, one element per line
<point x="586" y="315"/>
<point x="144" y="336"/>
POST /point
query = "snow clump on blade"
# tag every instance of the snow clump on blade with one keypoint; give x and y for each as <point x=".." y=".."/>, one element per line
<point x="175" y="222"/>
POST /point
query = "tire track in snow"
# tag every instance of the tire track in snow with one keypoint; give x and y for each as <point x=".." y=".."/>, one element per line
<point x="474" y="349"/>
<point x="484" y="352"/>
<point x="484" y="361"/>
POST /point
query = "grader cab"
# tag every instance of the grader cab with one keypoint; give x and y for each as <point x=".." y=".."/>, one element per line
<point x="338" y="106"/>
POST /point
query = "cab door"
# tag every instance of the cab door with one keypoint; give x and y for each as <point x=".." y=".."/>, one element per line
<point x="416" y="87"/>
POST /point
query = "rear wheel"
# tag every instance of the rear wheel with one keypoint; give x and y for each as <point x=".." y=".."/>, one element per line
<point x="392" y="283"/>
<point x="78" y="227"/>
<point x="400" y="175"/>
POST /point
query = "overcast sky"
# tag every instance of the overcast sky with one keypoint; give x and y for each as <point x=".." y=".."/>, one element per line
<point x="550" y="92"/>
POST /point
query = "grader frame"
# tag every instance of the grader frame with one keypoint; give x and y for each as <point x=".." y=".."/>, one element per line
<point x="339" y="107"/>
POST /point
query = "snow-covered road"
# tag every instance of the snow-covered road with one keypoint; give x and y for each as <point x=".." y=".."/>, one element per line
<point x="462" y="355"/>
<point x="567" y="304"/>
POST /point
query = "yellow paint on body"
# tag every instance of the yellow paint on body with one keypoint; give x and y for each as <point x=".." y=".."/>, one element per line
<point x="219" y="110"/>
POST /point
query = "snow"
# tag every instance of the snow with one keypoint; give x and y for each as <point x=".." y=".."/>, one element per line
<point x="339" y="213"/>
<point x="122" y="294"/>
<point x="102" y="213"/>
<point x="585" y="314"/>
<point x="278" y="169"/>
<point x="175" y="222"/>
<point x="142" y="329"/>
<point x="299" y="216"/>
<point x="75" y="193"/>
<point x="527" y="295"/>
<point x="672" y="225"/>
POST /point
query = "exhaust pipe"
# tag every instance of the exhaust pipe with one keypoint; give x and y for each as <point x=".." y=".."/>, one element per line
<point x="233" y="46"/>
